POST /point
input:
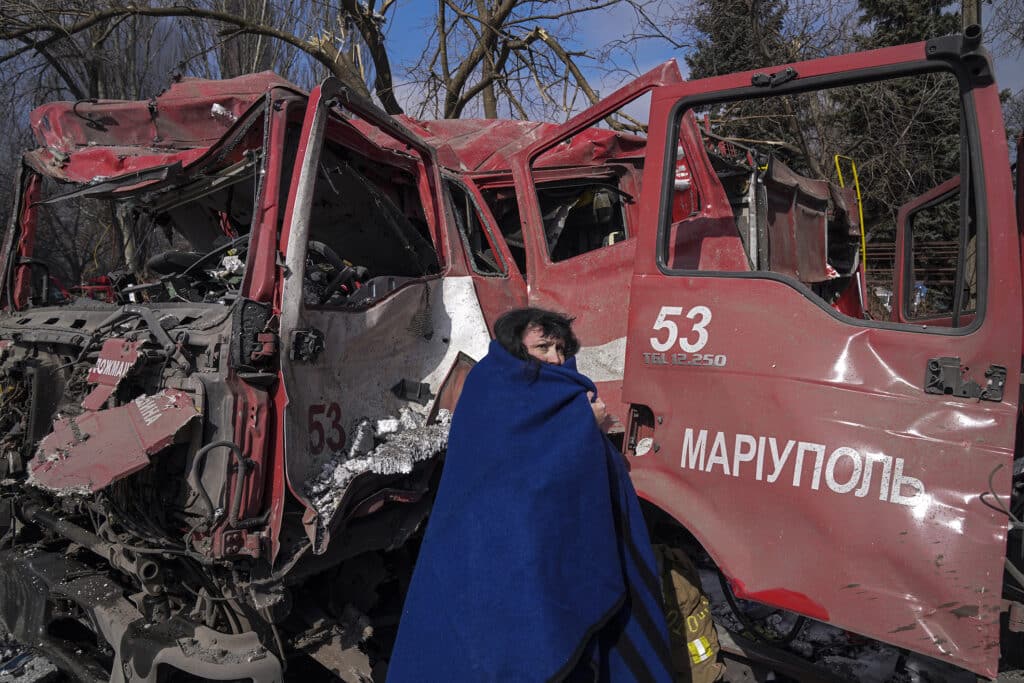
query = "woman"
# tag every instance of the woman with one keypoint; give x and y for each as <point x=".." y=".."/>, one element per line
<point x="536" y="564"/>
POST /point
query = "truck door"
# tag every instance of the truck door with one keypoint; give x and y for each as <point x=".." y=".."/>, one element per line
<point x="848" y="468"/>
<point x="499" y="284"/>
<point x="577" y="189"/>
<point x="373" y="309"/>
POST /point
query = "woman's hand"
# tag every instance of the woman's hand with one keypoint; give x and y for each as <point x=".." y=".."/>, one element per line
<point x="604" y="421"/>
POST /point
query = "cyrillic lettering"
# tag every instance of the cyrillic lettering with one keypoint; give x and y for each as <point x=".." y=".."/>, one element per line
<point x="798" y="464"/>
<point x="744" y="450"/>
<point x="719" y="454"/>
<point x="693" y="450"/>
<point x="760" y="457"/>
<point x="865" y="484"/>
<point x="830" y="469"/>
<point x="899" y="481"/>
<point x="778" y="462"/>
<point x="893" y="486"/>
<point x="148" y="409"/>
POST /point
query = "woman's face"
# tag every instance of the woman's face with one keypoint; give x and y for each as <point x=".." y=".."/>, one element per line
<point x="543" y="348"/>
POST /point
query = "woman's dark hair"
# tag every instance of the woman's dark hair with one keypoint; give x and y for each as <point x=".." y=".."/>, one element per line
<point x="509" y="329"/>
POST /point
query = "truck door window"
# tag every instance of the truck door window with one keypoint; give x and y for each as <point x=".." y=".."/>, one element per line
<point x="485" y="258"/>
<point x="804" y="184"/>
<point x="183" y="242"/>
<point x="367" y="232"/>
<point x="584" y="183"/>
<point x="934" y="248"/>
<point x="582" y="216"/>
<point x="505" y="209"/>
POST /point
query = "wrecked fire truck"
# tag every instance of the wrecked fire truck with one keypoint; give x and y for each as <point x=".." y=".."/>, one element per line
<point x="220" y="465"/>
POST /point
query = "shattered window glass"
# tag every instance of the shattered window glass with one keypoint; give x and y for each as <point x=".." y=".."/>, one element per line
<point x="582" y="217"/>
<point x="505" y="209"/>
<point x="183" y="242"/>
<point x="367" y="227"/>
<point x="582" y="182"/>
<point x="485" y="258"/>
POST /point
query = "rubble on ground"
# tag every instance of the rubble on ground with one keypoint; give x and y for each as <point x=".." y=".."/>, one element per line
<point x="850" y="656"/>
<point x="19" y="664"/>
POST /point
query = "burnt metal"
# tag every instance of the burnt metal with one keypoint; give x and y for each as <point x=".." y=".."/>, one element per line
<point x="46" y="389"/>
<point x="68" y="657"/>
<point x="306" y="345"/>
<point x="148" y="316"/>
<point x="145" y="570"/>
<point x="31" y="584"/>
<point x="28" y="582"/>
<point x="244" y="465"/>
<point x="206" y="654"/>
<point x="107" y="188"/>
<point x="249" y="320"/>
<point x="417" y="392"/>
<point x="195" y="476"/>
<point x="945" y="375"/>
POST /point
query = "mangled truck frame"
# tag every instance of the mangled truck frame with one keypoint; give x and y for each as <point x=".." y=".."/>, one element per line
<point x="216" y="469"/>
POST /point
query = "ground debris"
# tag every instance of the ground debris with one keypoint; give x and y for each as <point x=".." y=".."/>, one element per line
<point x="850" y="656"/>
<point x="19" y="664"/>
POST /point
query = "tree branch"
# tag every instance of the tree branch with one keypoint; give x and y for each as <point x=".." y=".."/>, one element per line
<point x="69" y="79"/>
<point x="336" y="62"/>
<point x="369" y="29"/>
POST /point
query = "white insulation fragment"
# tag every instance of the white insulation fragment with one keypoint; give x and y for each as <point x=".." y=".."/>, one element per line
<point x="391" y="446"/>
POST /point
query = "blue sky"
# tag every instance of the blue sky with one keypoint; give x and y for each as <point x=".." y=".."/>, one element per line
<point x="412" y="17"/>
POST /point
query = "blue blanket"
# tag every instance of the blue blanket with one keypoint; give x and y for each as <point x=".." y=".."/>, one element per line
<point x="536" y="564"/>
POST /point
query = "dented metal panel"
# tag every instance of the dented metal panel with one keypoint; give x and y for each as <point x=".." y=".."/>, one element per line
<point x="191" y="113"/>
<point x="87" y="453"/>
<point x="487" y="146"/>
<point x="102" y="163"/>
<point x="821" y="425"/>
<point x="116" y="360"/>
<point x="797" y="230"/>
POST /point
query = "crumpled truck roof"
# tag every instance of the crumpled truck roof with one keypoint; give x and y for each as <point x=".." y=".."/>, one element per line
<point x="85" y="140"/>
<point x="487" y="145"/>
<point x="88" y="141"/>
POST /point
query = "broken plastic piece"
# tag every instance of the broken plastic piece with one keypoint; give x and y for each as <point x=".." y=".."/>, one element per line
<point x="945" y="375"/>
<point x="418" y="392"/>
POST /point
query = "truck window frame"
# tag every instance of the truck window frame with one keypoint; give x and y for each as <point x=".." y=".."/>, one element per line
<point x="482" y="217"/>
<point x="907" y="228"/>
<point x="610" y="179"/>
<point x="969" y="162"/>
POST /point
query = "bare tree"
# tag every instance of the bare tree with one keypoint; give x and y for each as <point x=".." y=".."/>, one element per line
<point x="320" y="33"/>
<point x="125" y="58"/>
<point x="1003" y="21"/>
<point x="511" y="55"/>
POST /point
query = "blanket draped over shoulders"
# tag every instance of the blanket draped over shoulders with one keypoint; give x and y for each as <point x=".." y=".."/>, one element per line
<point x="536" y="564"/>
